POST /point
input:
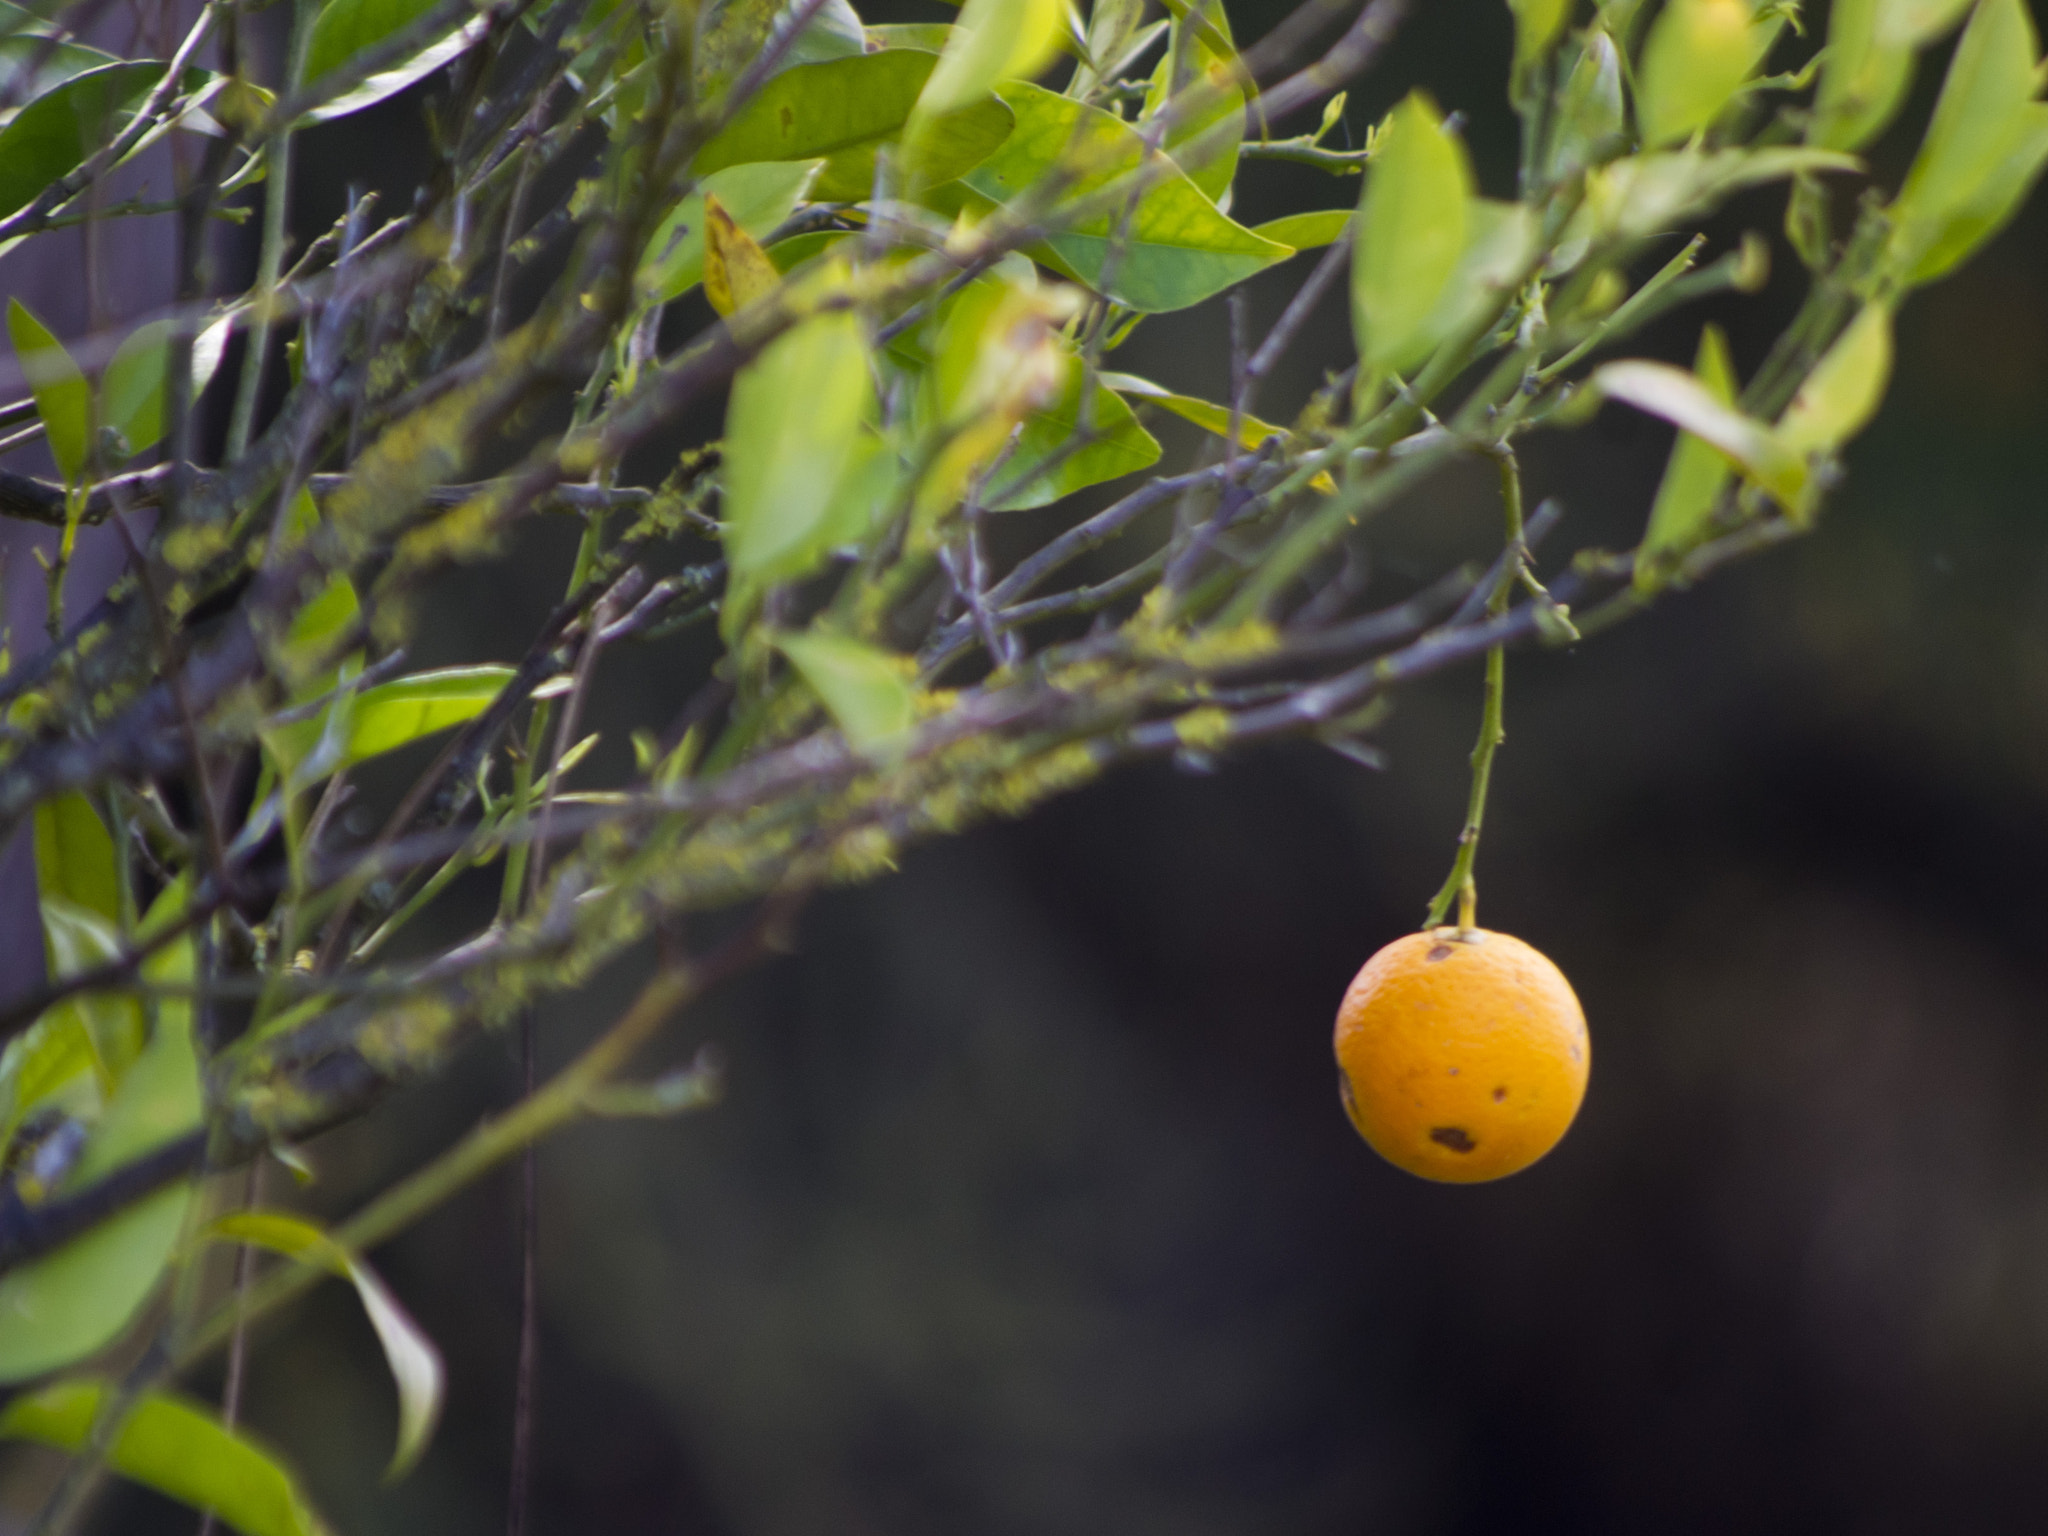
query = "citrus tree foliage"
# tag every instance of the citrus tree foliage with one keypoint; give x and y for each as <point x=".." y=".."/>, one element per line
<point x="923" y="245"/>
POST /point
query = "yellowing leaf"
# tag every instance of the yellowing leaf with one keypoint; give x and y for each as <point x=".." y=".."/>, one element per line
<point x="736" y="270"/>
<point x="994" y="41"/>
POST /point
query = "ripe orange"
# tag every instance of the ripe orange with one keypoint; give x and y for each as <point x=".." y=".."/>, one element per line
<point x="1461" y="1054"/>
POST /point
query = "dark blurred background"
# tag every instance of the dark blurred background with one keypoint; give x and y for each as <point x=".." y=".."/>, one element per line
<point x="1031" y="1209"/>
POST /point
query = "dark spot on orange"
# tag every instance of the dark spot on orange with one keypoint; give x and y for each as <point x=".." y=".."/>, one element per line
<point x="1456" y="1137"/>
<point x="1454" y="1071"/>
<point x="1499" y="1094"/>
<point x="1440" y="952"/>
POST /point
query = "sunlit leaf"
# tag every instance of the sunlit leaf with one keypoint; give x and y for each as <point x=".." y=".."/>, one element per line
<point x="132" y="387"/>
<point x="869" y="692"/>
<point x="415" y="1363"/>
<point x="179" y="1448"/>
<point x="758" y="197"/>
<point x="1591" y="119"/>
<point x="63" y="398"/>
<point x="1178" y="249"/>
<point x="1537" y="25"/>
<point x="1412" y="219"/>
<point x="842" y="112"/>
<point x="1644" y="195"/>
<point x="1695" y="476"/>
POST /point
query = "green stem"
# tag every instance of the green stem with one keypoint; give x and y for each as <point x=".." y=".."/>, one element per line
<point x="1459" y="885"/>
<point x="277" y="155"/>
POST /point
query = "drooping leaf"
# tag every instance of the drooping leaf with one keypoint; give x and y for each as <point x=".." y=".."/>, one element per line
<point x="75" y="856"/>
<point x="414" y="1361"/>
<point x="842" y="112"/>
<point x="63" y="398"/>
<point x="1845" y="388"/>
<point x="757" y="197"/>
<point x="786" y="469"/>
<point x="179" y="1448"/>
<point x="1980" y="150"/>
<point x="388" y="716"/>
<point x="54" y="134"/>
<point x="869" y="692"/>
<point x="1685" y="402"/>
<point x="1412" y="230"/>
<point x="1694" y="477"/>
<point x="1698" y="57"/>
<point x="1178" y="248"/>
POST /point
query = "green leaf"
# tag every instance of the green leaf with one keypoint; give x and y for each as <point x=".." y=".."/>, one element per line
<point x="1179" y="250"/>
<point x="1979" y="154"/>
<point x="1686" y="402"/>
<point x="347" y="28"/>
<point x="845" y="110"/>
<point x="1845" y="388"/>
<point x="79" y="940"/>
<point x="386" y="717"/>
<point x="69" y="1304"/>
<point x="415" y="1363"/>
<point x="177" y="1447"/>
<point x="1192" y="56"/>
<point x="1121" y="447"/>
<point x="731" y="34"/>
<point x="75" y="856"/>
<point x="1500" y="244"/>
<point x="869" y="692"/>
<point x="1863" y="77"/>
<point x="994" y="41"/>
<point x="759" y="197"/>
<point x="1591" y="118"/>
<point x="1537" y="25"/>
<point x="63" y="398"/>
<point x="1308" y="231"/>
<point x="793" y="440"/>
<point x="132" y="388"/>
<point x="1412" y="219"/>
<point x="1699" y="55"/>
<point x="54" y="134"/>
<point x="1694" y="478"/>
<point x="1645" y="195"/>
<point x="28" y="44"/>
<point x="1991" y="207"/>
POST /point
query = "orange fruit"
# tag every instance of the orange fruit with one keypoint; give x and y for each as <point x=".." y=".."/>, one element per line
<point x="1461" y="1054"/>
